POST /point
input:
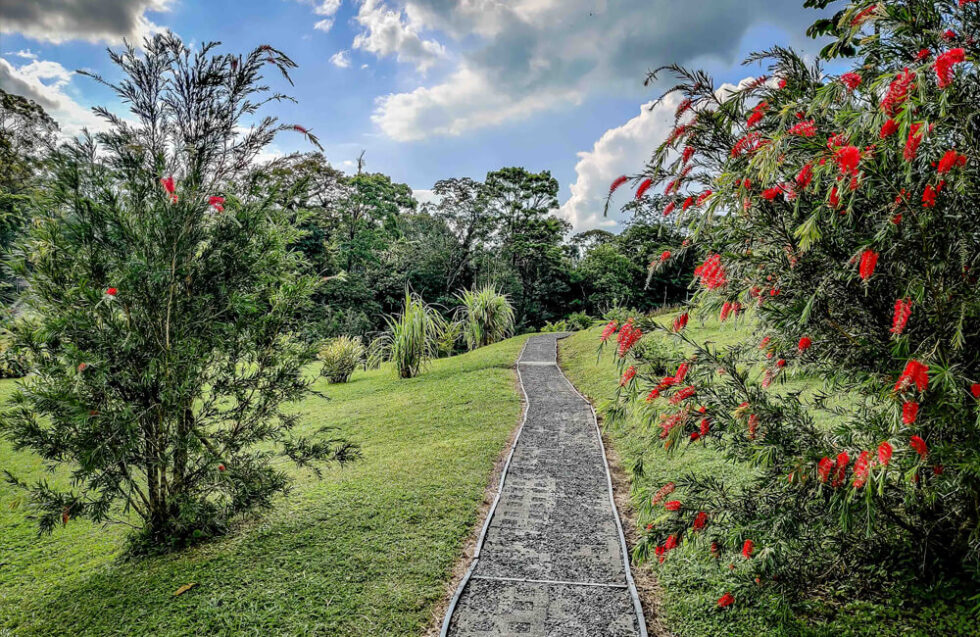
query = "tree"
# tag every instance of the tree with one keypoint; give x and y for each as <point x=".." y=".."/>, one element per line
<point x="464" y="207"/>
<point x="842" y="212"/>
<point x="169" y="301"/>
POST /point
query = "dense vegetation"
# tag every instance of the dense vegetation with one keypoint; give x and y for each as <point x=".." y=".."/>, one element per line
<point x="840" y="214"/>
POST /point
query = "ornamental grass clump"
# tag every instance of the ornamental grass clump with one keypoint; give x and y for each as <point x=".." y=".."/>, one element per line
<point x="844" y="221"/>
<point x="339" y="357"/>
<point x="165" y="347"/>
<point x="487" y="316"/>
<point x="412" y="338"/>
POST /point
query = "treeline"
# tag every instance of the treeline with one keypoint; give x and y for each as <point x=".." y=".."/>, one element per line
<point x="370" y="239"/>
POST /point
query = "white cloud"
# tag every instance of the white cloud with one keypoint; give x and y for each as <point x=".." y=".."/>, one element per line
<point x="526" y="56"/>
<point x="341" y="59"/>
<point x="426" y="196"/>
<point x="619" y="151"/>
<point x="324" y="25"/>
<point x="91" y="20"/>
<point x="26" y="54"/>
<point x="386" y="33"/>
<point x="45" y="83"/>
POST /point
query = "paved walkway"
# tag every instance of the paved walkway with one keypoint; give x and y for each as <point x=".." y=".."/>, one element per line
<point x="551" y="559"/>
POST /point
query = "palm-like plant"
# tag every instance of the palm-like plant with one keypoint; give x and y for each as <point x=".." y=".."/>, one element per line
<point x="411" y="340"/>
<point x="488" y="316"/>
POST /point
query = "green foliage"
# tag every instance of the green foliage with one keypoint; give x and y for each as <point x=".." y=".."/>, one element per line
<point x="487" y="316"/>
<point x="579" y="321"/>
<point x="823" y="181"/>
<point x="555" y="326"/>
<point x="412" y="338"/>
<point x="339" y="357"/>
<point x="166" y="346"/>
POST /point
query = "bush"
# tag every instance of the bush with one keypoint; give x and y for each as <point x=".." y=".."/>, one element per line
<point x="340" y="357"/>
<point x="557" y="326"/>
<point x="578" y="321"/>
<point x="168" y="305"/>
<point x="842" y="211"/>
<point x="487" y="316"/>
<point x="411" y="340"/>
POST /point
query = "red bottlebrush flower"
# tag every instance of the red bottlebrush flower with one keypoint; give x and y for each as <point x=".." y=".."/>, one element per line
<point x="704" y="427"/>
<point x="842" y="461"/>
<point x="653" y="395"/>
<point x="747" y="548"/>
<point x="659" y="551"/>
<point x="168" y="185"/>
<point x="617" y="182"/>
<point x="725" y="600"/>
<point x="664" y="255"/>
<point x="687" y="204"/>
<point x="919" y="445"/>
<point x="644" y="186"/>
<point x="910" y="411"/>
<point x="897" y="219"/>
<point x="218" y="203"/>
<point x="671" y="542"/>
<point x="914" y="373"/>
<point x="824" y="468"/>
<point x="836" y="141"/>
<point x="662" y="493"/>
<point x="913" y="141"/>
<point x="903" y="310"/>
<point x="861" y="468"/>
<point x="898" y="92"/>
<point x="627" y="376"/>
<point x="869" y="259"/>
<point x="771" y="193"/>
<point x="82" y="367"/>
<point x="677" y="133"/>
<point x="863" y="15"/>
<point x="885" y="450"/>
<point x="608" y="331"/>
<point x="682" y="395"/>
<point x="950" y="160"/>
<point x="753" y="426"/>
<point x="804" y="344"/>
<point x="805" y="176"/>
<point x="300" y="129"/>
<point x="681" y="322"/>
<point x="700" y="520"/>
<point x="673" y="505"/>
<point x="949" y="35"/>
<point x="681" y="373"/>
<point x="929" y="197"/>
<point x="922" y="54"/>
<point x="748" y="144"/>
<point x="963" y="3"/>
<point x="757" y="114"/>
<point x="683" y="107"/>
<point x="711" y="273"/>
<point x="669" y="209"/>
<point x="688" y="153"/>
<point x="628" y="336"/>
<point x="782" y="83"/>
<point x="803" y="129"/>
<point x="851" y="80"/>
<point x="764" y="342"/>
<point x="111" y="291"/>
<point x="834" y="197"/>
<point x="888" y="129"/>
<point x="221" y="467"/>
<point x="848" y="158"/>
<point x="975" y="390"/>
<point x="704" y="196"/>
<point x="781" y="363"/>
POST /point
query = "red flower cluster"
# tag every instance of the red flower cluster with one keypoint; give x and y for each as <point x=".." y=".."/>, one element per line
<point x="688" y="153"/>
<point x="218" y="203"/>
<point x="771" y="193"/>
<point x="975" y="390"/>
<point x="919" y="445"/>
<point x="644" y="186"/>
<point x="898" y="92"/>
<point x="730" y="309"/>
<point x="617" y="182"/>
<point x="627" y="376"/>
<point x="869" y="259"/>
<point x="682" y="395"/>
<point x="848" y="158"/>
<point x="681" y="373"/>
<point x="824" y="467"/>
<point x="681" y="322"/>
<point x="851" y="80"/>
<point x="662" y="493"/>
<point x="885" y="450"/>
<point x="903" y="309"/>
<point x="929" y="196"/>
<point x="757" y="113"/>
<point x="950" y="160"/>
<point x="838" y="140"/>
<point x="687" y="204"/>
<point x="111" y="291"/>
<point x="804" y="344"/>
<point x="711" y="273"/>
<point x="170" y="187"/>
<point x="747" y="548"/>
<point x="915" y="373"/>
<point x="834" y="198"/>
<point x="608" y="331"/>
<point x="725" y="600"/>
<point x="704" y="196"/>
<point x="913" y="141"/>
<point x="803" y="129"/>
<point x="805" y="176"/>
<point x="748" y="144"/>
<point x="673" y="505"/>
<point x="910" y="411"/>
<point x="700" y="520"/>
<point x="888" y="129"/>
<point x="862" y="467"/>
<point x="669" y="208"/>
<point x="944" y="65"/>
<point x="683" y="107"/>
<point x="664" y="255"/>
<point x="628" y="336"/>
<point x="842" y="461"/>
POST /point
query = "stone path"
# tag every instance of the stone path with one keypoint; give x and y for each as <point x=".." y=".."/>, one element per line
<point x="551" y="559"/>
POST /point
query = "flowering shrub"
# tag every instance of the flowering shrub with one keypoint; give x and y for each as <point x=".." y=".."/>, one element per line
<point x="844" y="216"/>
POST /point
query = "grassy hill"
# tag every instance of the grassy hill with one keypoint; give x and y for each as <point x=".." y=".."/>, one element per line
<point x="367" y="550"/>
<point x="690" y="582"/>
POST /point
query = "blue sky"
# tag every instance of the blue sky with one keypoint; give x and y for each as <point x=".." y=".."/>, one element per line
<point x="429" y="88"/>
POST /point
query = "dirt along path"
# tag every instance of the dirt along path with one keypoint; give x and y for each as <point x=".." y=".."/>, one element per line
<point x="551" y="559"/>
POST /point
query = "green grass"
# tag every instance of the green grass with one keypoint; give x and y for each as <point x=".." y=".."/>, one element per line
<point x="690" y="583"/>
<point x="367" y="550"/>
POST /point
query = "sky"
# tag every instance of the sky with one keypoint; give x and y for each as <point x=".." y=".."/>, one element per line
<point x="429" y="89"/>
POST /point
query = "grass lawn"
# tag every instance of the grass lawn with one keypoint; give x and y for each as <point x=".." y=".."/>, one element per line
<point x="690" y="583"/>
<point x="367" y="550"/>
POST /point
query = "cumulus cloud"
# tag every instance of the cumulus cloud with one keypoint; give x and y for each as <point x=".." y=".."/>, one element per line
<point x="324" y="25"/>
<point x="529" y="55"/>
<point x="341" y="59"/>
<point x="45" y="82"/>
<point x="91" y="20"/>
<point x="387" y="32"/>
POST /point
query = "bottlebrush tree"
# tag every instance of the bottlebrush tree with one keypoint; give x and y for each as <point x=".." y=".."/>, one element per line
<point x="840" y="211"/>
<point x="167" y="302"/>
